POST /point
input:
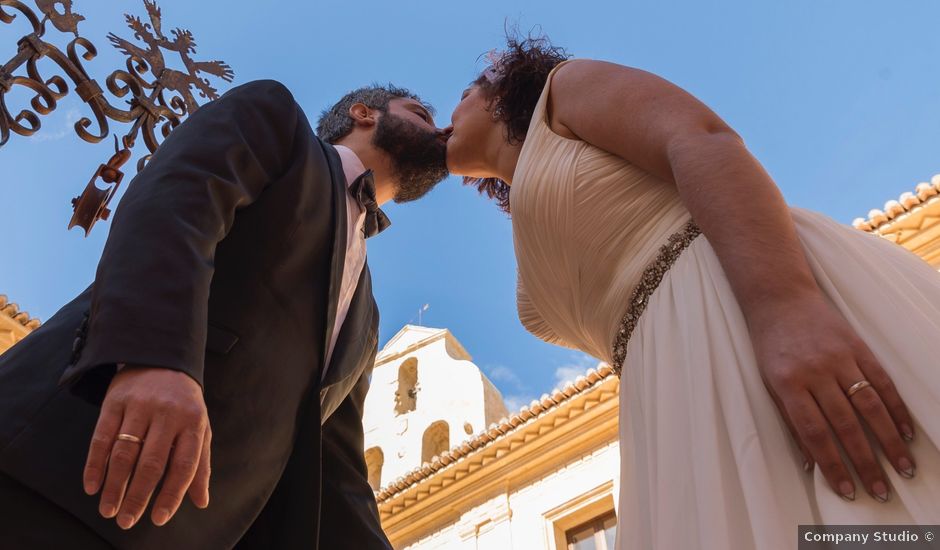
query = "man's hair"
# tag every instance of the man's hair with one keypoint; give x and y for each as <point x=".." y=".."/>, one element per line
<point x="335" y="122"/>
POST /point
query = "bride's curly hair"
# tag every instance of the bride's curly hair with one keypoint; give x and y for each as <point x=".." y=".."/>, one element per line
<point x="512" y="83"/>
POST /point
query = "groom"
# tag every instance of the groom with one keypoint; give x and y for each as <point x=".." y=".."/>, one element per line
<point x="231" y="325"/>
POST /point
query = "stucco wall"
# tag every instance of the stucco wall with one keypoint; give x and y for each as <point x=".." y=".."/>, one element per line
<point x="515" y="518"/>
<point x="449" y="389"/>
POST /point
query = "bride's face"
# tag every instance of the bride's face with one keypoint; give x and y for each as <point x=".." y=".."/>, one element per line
<point x="473" y="129"/>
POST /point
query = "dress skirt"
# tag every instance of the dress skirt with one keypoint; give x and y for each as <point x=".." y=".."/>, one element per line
<point x="707" y="460"/>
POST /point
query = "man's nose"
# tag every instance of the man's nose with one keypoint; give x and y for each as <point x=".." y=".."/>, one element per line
<point x="445" y="133"/>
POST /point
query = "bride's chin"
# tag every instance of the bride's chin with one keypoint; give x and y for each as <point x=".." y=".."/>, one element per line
<point x="459" y="165"/>
<point x="454" y="166"/>
<point x="460" y="171"/>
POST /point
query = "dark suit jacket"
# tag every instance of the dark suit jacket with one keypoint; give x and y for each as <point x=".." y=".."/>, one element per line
<point x="224" y="261"/>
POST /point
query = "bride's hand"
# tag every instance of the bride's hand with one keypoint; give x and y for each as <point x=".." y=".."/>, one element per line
<point x="809" y="358"/>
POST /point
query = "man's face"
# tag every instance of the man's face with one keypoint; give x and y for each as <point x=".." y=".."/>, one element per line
<point x="418" y="149"/>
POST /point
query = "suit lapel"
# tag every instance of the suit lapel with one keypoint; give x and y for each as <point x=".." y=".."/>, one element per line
<point x="339" y="243"/>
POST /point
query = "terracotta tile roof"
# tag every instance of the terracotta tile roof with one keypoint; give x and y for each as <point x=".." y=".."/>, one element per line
<point x="497" y="430"/>
<point x="12" y="311"/>
<point x="925" y="193"/>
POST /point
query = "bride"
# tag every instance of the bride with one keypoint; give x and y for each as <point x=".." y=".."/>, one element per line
<point x="776" y="366"/>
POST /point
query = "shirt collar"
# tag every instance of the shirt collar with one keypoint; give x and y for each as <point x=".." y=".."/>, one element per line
<point x="352" y="164"/>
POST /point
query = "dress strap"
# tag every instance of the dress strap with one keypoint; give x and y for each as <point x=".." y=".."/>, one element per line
<point x="540" y="112"/>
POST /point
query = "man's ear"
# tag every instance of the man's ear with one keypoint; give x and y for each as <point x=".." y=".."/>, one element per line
<point x="363" y="115"/>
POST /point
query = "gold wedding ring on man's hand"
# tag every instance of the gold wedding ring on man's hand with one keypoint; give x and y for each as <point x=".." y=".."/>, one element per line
<point x="857" y="386"/>
<point x="129" y="437"/>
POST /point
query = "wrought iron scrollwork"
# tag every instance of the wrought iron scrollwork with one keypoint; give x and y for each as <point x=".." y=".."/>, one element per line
<point x="156" y="98"/>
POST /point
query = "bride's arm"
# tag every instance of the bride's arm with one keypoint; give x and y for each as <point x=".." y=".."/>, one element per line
<point x="808" y="353"/>
<point x="664" y="130"/>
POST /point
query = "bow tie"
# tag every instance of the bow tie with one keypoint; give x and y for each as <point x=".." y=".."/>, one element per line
<point x="363" y="189"/>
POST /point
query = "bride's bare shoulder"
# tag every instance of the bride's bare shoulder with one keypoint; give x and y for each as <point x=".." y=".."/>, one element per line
<point x="576" y="76"/>
<point x="579" y="70"/>
<point x="626" y="111"/>
<point x="576" y="80"/>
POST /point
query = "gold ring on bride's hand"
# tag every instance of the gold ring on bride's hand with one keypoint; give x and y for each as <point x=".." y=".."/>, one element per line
<point x="858" y="386"/>
<point x="129" y="437"/>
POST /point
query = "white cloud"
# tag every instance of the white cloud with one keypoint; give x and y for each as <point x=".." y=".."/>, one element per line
<point x="577" y="366"/>
<point x="568" y="373"/>
<point x="517" y="393"/>
<point x="65" y="129"/>
<point x="500" y="373"/>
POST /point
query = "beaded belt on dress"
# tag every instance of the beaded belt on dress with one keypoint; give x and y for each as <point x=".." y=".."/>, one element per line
<point x="652" y="276"/>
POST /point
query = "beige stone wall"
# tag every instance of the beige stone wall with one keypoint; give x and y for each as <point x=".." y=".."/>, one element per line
<point x="493" y="405"/>
<point x="526" y="517"/>
<point x="14" y="324"/>
<point x="11" y="332"/>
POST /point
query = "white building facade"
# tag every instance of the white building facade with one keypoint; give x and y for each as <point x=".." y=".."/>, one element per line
<point x="453" y="469"/>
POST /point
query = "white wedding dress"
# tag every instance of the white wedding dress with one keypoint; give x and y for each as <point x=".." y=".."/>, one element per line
<point x="706" y="459"/>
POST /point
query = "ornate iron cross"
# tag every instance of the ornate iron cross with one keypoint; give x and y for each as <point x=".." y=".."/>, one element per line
<point x="157" y="96"/>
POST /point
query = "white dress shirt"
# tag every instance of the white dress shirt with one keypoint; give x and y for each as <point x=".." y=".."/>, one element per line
<point x="355" y="246"/>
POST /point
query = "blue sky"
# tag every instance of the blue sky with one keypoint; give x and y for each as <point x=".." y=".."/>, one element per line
<point x="840" y="100"/>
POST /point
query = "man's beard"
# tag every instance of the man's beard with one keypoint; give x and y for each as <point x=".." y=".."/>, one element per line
<point x="419" y="157"/>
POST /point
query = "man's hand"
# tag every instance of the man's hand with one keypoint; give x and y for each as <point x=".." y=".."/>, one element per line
<point x="166" y="410"/>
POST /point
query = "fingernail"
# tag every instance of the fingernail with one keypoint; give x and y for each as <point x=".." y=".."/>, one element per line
<point x="881" y="491"/>
<point x="125" y="521"/>
<point x="848" y="490"/>
<point x="807" y="465"/>
<point x="109" y="511"/>
<point x="90" y="486"/>
<point x="906" y="432"/>
<point x="905" y="467"/>
<point x="161" y="516"/>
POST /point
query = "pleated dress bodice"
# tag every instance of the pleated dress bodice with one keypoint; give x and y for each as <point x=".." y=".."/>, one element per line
<point x="585" y="223"/>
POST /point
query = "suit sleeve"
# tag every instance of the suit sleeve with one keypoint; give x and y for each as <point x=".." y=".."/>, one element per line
<point x="150" y="298"/>
<point x="349" y="515"/>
